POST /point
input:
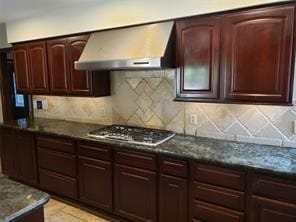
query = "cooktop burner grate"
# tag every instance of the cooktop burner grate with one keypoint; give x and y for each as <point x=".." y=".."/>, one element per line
<point x="132" y="134"/>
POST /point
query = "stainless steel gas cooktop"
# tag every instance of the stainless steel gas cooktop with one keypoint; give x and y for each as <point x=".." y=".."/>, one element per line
<point x="132" y="134"/>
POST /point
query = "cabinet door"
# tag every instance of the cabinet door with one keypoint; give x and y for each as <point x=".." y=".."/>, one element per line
<point x="9" y="154"/>
<point x="198" y="48"/>
<point x="27" y="157"/>
<point x="58" y="66"/>
<point x="80" y="80"/>
<point x="266" y="210"/>
<point x="257" y="55"/>
<point x="21" y="68"/>
<point x="95" y="182"/>
<point x="172" y="199"/>
<point x="135" y="193"/>
<point x="38" y="67"/>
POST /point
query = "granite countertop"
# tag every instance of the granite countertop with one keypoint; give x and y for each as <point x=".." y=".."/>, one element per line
<point x="17" y="199"/>
<point x="263" y="158"/>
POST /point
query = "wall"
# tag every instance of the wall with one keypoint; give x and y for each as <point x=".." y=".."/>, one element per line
<point x="91" y="15"/>
<point x="146" y="99"/>
<point x="3" y="37"/>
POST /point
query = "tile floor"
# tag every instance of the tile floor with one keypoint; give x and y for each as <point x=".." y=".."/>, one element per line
<point x="57" y="211"/>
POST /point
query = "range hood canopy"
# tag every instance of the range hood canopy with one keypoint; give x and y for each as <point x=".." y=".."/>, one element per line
<point x="139" y="47"/>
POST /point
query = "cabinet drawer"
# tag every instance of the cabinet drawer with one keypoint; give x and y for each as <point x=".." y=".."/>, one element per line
<point x="208" y="212"/>
<point x="57" y="183"/>
<point x="140" y="160"/>
<point x="58" y="162"/>
<point x="220" y="196"/>
<point x="274" y="188"/>
<point x="173" y="167"/>
<point x="220" y="176"/>
<point x="54" y="143"/>
<point x="94" y="151"/>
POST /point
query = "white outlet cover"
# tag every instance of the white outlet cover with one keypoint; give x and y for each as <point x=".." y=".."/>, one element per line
<point x="193" y="119"/>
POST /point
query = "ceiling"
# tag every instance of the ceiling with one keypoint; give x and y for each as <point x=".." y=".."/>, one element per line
<point x="15" y="9"/>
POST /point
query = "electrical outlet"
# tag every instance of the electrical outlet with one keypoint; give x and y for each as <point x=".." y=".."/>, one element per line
<point x="193" y="119"/>
<point x="40" y="104"/>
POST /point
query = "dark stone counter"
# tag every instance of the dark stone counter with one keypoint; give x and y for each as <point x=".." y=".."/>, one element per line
<point x="261" y="158"/>
<point x="17" y="200"/>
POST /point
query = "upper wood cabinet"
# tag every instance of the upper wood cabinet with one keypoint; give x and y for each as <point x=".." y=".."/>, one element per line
<point x="198" y="44"/>
<point x="38" y="67"/>
<point x="251" y="63"/>
<point x="47" y="67"/>
<point x="80" y="81"/>
<point x="30" y="64"/>
<point x="257" y="53"/>
<point x="21" y="68"/>
<point x="58" y="66"/>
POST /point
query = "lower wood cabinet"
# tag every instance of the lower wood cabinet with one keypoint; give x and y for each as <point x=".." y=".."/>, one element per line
<point x="135" y="193"/>
<point x="95" y="182"/>
<point x="19" y="155"/>
<point x="267" y="210"/>
<point x="206" y="212"/>
<point x="58" y="183"/>
<point x="172" y="199"/>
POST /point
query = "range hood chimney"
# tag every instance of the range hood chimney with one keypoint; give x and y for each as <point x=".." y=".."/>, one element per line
<point x="139" y="47"/>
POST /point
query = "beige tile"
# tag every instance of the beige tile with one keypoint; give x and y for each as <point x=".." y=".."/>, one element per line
<point x="237" y="129"/>
<point x="155" y="122"/>
<point x="177" y="123"/>
<point x="270" y="131"/>
<point x="273" y="112"/>
<point x="285" y="123"/>
<point x="123" y="102"/>
<point x="153" y="82"/>
<point x="135" y="121"/>
<point x="253" y="120"/>
<point x="134" y="82"/>
<point x="144" y="101"/>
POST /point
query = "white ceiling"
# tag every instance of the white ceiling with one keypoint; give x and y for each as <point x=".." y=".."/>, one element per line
<point x="15" y="9"/>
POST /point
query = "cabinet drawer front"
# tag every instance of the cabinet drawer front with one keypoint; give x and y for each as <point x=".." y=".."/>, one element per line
<point x="140" y="160"/>
<point x="208" y="212"/>
<point x="58" y="144"/>
<point x="57" y="162"/>
<point x="57" y="183"/>
<point x="173" y="167"/>
<point x="94" y="151"/>
<point x="220" y="196"/>
<point x="220" y="176"/>
<point x="274" y="188"/>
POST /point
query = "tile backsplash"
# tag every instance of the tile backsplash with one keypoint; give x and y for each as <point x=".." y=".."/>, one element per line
<point x="145" y="98"/>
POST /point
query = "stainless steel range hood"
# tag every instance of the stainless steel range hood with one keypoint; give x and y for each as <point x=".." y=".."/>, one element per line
<point x="139" y="47"/>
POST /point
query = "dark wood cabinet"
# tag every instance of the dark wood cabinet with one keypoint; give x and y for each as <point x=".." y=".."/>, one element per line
<point x="266" y="210"/>
<point x="172" y="199"/>
<point x="95" y="182"/>
<point x="27" y="157"/>
<point x="9" y="153"/>
<point x="241" y="57"/>
<point x="21" y="68"/>
<point x="57" y="163"/>
<point x="58" y="66"/>
<point x="47" y="67"/>
<point x="135" y="193"/>
<point x="30" y="64"/>
<point x="80" y="81"/>
<point x="257" y="48"/>
<point x="18" y="155"/>
<point x="198" y="58"/>
<point x="38" y="67"/>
